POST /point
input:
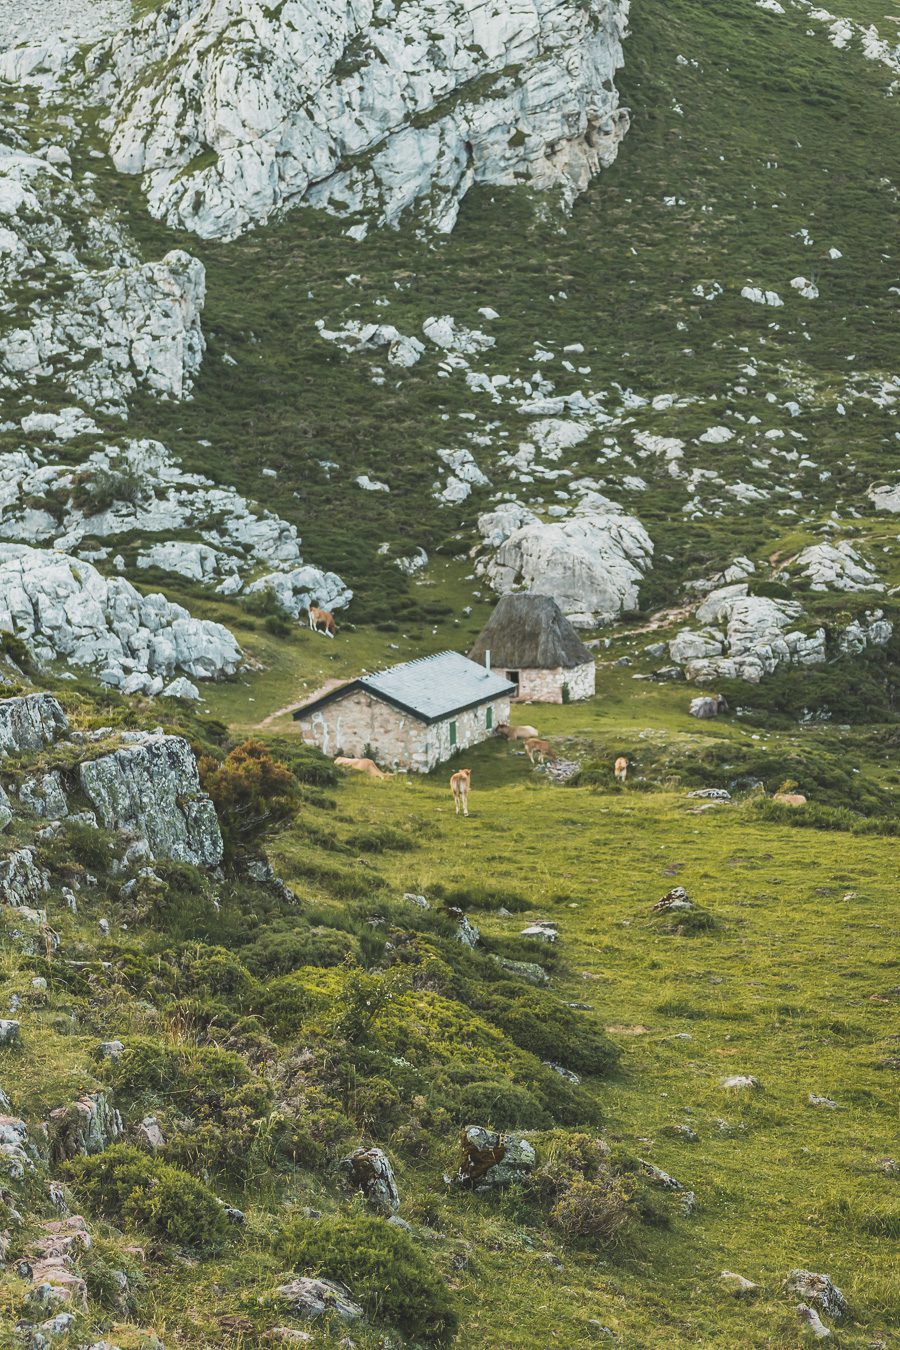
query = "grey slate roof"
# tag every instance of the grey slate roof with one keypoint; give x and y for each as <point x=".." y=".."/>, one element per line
<point x="530" y="632"/>
<point x="431" y="688"/>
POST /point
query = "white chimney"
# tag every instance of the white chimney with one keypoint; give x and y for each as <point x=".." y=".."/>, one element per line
<point x="487" y="660"/>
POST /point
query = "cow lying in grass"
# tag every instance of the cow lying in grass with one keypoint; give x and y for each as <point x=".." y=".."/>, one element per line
<point x="361" y="766"/>
<point x="516" y="733"/>
<point x="459" y="786"/>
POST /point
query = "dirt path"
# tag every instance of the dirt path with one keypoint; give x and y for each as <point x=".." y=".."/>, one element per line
<point x="290" y="707"/>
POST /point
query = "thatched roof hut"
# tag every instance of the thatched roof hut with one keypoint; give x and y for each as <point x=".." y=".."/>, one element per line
<point x="530" y="640"/>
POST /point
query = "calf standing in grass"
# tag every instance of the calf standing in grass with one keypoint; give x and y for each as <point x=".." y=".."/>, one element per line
<point x="539" y="750"/>
<point x="321" y="621"/>
<point x="621" y="768"/>
<point x="459" y="786"/>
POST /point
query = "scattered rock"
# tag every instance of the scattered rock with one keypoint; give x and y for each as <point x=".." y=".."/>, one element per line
<point x="817" y="1290"/>
<point x="737" y="1285"/>
<point x="369" y="1170"/>
<point x="529" y="971"/>
<point x="9" y="1031"/>
<point x="315" y="1298"/>
<point x="675" y="899"/>
<point x="739" y="1081"/>
<point x="712" y="794"/>
<point x="148" y="1134"/>
<point x="88" y="1125"/>
<point x="568" y="1074"/>
<point x="708" y="706"/>
<point x="541" y="932"/>
<point x="814" y="1322"/>
<point x="491" y="1159"/>
<point x="825" y="1102"/>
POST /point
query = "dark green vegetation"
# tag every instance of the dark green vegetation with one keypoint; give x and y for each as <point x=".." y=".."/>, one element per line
<point x="270" y="1032"/>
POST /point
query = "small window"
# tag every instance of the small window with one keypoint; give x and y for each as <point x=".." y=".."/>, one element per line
<point x="452" y="734"/>
<point x="489" y="719"/>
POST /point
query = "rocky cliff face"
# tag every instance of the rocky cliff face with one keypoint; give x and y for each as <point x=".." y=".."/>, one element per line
<point x="151" y="788"/>
<point x="101" y="322"/>
<point x="231" y="109"/>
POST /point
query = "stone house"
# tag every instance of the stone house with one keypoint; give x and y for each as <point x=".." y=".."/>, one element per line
<point x="410" y="717"/>
<point x="530" y="641"/>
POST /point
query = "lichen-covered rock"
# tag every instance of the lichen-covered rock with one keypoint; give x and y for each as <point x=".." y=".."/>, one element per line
<point x="818" y="1290"/>
<point x="491" y="1159"/>
<point x="108" y="323"/>
<point x="151" y="788"/>
<point x="296" y="590"/>
<point x="15" y="1158"/>
<point x="315" y="1298"/>
<point x="88" y="1125"/>
<point x="45" y="796"/>
<point x="591" y="563"/>
<point x="836" y="567"/>
<point x="369" y="1170"/>
<point x="745" y="637"/>
<point x="31" y="722"/>
<point x="63" y="607"/>
<point x="22" y="881"/>
<point x="230" y="109"/>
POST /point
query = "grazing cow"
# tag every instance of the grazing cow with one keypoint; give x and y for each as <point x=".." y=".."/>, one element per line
<point x="516" y="733"/>
<point x="321" y="621"/>
<point x="539" y="750"/>
<point x="459" y="786"/>
<point x="621" y="769"/>
<point x="789" y="798"/>
<point x="361" y="766"/>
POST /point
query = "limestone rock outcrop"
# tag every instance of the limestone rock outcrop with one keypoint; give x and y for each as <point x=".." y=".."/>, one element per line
<point x="232" y="109"/>
<point x="151" y="788"/>
<point x="88" y="1125"/>
<point x="836" y="567"/>
<point x="745" y="637"/>
<point x="31" y="722"/>
<point x="63" y="607"/>
<point x="315" y="1298"/>
<point x="591" y="562"/>
<point x="104" y="323"/>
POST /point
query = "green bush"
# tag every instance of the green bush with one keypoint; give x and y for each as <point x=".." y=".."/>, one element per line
<point x="497" y="1103"/>
<point x="129" y="1187"/>
<point x="577" y="1181"/>
<point x="537" y="1022"/>
<point x="281" y="949"/>
<point x="381" y="1266"/>
<point x="215" y="971"/>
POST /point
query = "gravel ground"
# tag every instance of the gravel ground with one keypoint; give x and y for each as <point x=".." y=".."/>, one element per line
<point x="36" y="21"/>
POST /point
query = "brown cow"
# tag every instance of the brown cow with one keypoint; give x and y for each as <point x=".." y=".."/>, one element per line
<point x="361" y="766"/>
<point x="789" y="798"/>
<point x="621" y="769"/>
<point x="459" y="786"/>
<point x="321" y="621"/>
<point x="516" y="733"/>
<point x="539" y="750"/>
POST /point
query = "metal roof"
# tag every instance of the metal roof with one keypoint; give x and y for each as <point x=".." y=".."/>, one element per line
<point x="431" y="687"/>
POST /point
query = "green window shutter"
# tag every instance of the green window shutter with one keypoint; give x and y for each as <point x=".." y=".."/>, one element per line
<point x="489" y="719"/>
<point x="452" y="733"/>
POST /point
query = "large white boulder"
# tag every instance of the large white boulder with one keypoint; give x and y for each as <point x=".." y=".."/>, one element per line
<point x="590" y="562"/>
<point x="151" y="788"/>
<point x="63" y="607"/>
<point x="232" y="109"/>
<point x="295" y="591"/>
<point x="745" y="637"/>
<point x="836" y="567"/>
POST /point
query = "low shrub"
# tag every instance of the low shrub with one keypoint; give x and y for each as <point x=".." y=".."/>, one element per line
<point x="497" y="1103"/>
<point x="250" y="790"/>
<point x="129" y="1187"/>
<point x="577" y="1181"/>
<point x="381" y="1266"/>
<point x="217" y="972"/>
<point x="281" y="949"/>
<point x="537" y="1022"/>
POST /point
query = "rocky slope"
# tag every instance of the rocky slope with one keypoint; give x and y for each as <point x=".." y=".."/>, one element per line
<point x="230" y="110"/>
